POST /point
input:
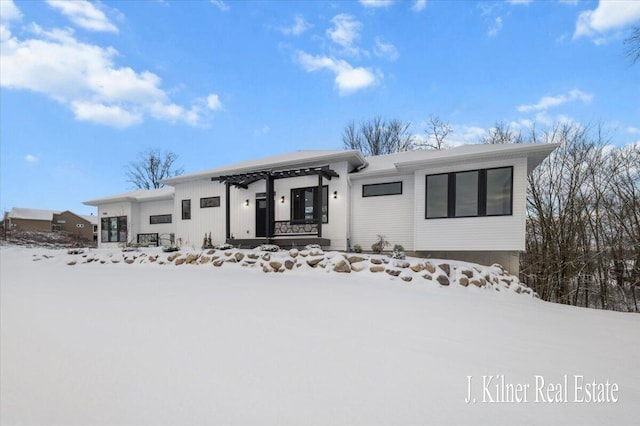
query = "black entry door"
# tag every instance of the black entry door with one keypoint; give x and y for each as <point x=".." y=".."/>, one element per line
<point x="261" y="218"/>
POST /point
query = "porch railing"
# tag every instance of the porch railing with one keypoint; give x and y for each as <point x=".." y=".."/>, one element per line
<point x="287" y="227"/>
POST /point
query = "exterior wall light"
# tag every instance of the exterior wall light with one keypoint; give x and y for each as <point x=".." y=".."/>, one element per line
<point x="246" y="202"/>
<point x="282" y="199"/>
<point x="335" y="194"/>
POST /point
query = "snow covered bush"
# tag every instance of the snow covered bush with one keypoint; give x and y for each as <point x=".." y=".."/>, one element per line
<point x="224" y="246"/>
<point x="380" y="244"/>
<point x="269" y="247"/>
<point x="398" y="252"/>
<point x="357" y="248"/>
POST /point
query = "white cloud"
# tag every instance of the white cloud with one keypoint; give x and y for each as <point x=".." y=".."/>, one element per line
<point x="345" y="32"/>
<point x="84" y="14"/>
<point x="220" y="5"/>
<point x="9" y="11"/>
<point x="348" y="79"/>
<point x="608" y="16"/>
<point x="419" y="5"/>
<point x="385" y="50"/>
<point x="31" y="159"/>
<point x="213" y="102"/>
<point x="376" y="3"/>
<point x="569" y="2"/>
<point x="85" y="78"/>
<point x="553" y="101"/>
<point x="495" y="28"/>
<point x="633" y="130"/>
<point x="112" y="115"/>
<point x="299" y="26"/>
<point x="520" y="2"/>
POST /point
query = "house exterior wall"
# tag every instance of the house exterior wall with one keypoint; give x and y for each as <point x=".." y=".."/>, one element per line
<point x="152" y="208"/>
<point x="497" y="233"/>
<point x="30" y="225"/>
<point x="388" y="215"/>
<point x="74" y="225"/>
<point x="243" y="217"/>
<point x="111" y="210"/>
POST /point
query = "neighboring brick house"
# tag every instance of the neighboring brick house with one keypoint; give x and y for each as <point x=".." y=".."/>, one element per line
<point x="37" y="220"/>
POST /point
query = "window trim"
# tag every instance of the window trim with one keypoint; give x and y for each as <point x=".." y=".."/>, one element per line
<point x="314" y="188"/>
<point x="204" y="199"/>
<point x="482" y="194"/>
<point x="382" y="183"/>
<point x="186" y="215"/>
<point x="156" y="216"/>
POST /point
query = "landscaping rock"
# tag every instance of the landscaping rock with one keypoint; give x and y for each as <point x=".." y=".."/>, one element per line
<point x="446" y="268"/>
<point x="427" y="277"/>
<point x="275" y="265"/>
<point x="179" y="261"/>
<point x="304" y="253"/>
<point x="289" y="263"/>
<point x="128" y="261"/>
<point x="355" y="259"/>
<point x="210" y="252"/>
<point x="115" y="261"/>
<point x="218" y="262"/>
<point x="401" y="264"/>
<point x="253" y="256"/>
<point x="477" y="283"/>
<point x="343" y="266"/>
<point x="73" y="262"/>
<point x="238" y="256"/>
<point x="204" y="259"/>
<point x="375" y="261"/>
<point x="153" y="258"/>
<point x="376" y="268"/>
<point x="467" y="273"/>
<point x="173" y="257"/>
<point x="406" y="278"/>
<point x="393" y="272"/>
<point x="359" y="266"/>
<point x="316" y="252"/>
<point x="293" y="253"/>
<point x="266" y="257"/>
<point x="443" y="280"/>
<point x="429" y="267"/>
<point x="417" y="267"/>
<point x="463" y="281"/>
<point x="191" y="258"/>
<point x="314" y="262"/>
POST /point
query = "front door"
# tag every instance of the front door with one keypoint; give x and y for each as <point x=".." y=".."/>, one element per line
<point x="261" y="218"/>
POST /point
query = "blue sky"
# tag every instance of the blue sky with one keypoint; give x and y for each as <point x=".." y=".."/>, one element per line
<point x="85" y="86"/>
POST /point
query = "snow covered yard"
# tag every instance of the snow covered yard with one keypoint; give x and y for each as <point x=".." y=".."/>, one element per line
<point x="157" y="344"/>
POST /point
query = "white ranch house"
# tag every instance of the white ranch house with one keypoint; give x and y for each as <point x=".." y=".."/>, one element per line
<point x="464" y="203"/>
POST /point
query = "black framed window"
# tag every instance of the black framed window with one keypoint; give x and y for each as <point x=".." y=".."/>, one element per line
<point x="303" y="204"/>
<point x="186" y="209"/>
<point x="114" y="229"/>
<point x="473" y="193"/>
<point x="209" y="202"/>
<point x="378" y="189"/>
<point x="159" y="218"/>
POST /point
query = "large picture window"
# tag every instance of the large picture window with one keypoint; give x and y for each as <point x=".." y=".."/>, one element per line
<point x="209" y="202"/>
<point x="485" y="192"/>
<point x="186" y="209"/>
<point x="303" y="204"/>
<point x="114" y="229"/>
<point x="378" y="189"/>
<point x="159" y="218"/>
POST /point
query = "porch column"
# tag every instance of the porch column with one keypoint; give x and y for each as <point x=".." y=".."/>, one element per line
<point x="227" y="206"/>
<point x="318" y="203"/>
<point x="270" y="208"/>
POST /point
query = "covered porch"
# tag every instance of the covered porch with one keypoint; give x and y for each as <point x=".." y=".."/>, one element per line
<point x="308" y="208"/>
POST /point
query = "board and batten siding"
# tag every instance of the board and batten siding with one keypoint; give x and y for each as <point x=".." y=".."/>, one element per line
<point x="153" y="208"/>
<point x="388" y="215"/>
<point x="243" y="217"/>
<point x="115" y="209"/>
<point x="473" y="233"/>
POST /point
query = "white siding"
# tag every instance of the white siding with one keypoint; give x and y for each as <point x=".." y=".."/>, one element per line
<point x="111" y="210"/>
<point x="476" y="233"/>
<point x="388" y="215"/>
<point x="152" y="208"/>
<point x="243" y="217"/>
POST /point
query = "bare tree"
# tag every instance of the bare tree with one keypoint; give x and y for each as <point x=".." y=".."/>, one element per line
<point x="502" y="133"/>
<point x="632" y="44"/>
<point x="378" y="136"/>
<point x="437" y="132"/>
<point x="151" y="167"/>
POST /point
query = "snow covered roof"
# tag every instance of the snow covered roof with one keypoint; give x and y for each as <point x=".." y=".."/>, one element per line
<point x="277" y="162"/>
<point x="32" y="214"/>
<point x="413" y="160"/>
<point x="91" y="218"/>
<point x="165" y="193"/>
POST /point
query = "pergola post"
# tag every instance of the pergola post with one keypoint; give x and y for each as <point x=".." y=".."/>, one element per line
<point x="270" y="208"/>
<point x="227" y="206"/>
<point x="318" y="203"/>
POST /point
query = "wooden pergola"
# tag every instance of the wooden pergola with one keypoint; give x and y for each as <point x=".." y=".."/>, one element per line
<point x="243" y="180"/>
